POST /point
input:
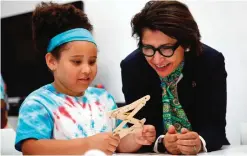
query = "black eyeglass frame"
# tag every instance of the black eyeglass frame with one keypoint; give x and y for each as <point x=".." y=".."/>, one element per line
<point x="173" y="48"/>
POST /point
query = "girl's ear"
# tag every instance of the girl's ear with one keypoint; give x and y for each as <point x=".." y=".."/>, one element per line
<point x="51" y="62"/>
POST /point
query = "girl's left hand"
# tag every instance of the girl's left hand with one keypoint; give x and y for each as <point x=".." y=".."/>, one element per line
<point x="145" y="136"/>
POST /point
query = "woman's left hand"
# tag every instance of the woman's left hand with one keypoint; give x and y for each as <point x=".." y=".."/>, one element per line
<point x="189" y="142"/>
<point x="145" y="136"/>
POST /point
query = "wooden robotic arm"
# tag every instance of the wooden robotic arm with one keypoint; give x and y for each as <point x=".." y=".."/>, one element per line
<point x="122" y="114"/>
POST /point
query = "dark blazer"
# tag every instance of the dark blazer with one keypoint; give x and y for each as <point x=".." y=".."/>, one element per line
<point x="201" y="92"/>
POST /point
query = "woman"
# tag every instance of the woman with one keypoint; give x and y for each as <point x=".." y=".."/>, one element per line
<point x="67" y="116"/>
<point x="185" y="78"/>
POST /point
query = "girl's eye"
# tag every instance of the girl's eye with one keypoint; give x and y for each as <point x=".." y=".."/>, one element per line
<point x="92" y="62"/>
<point x="76" y="62"/>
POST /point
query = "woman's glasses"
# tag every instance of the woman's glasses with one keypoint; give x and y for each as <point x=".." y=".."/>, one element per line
<point x="164" y="50"/>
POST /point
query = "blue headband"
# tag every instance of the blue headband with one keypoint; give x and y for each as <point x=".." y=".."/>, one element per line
<point x="77" y="34"/>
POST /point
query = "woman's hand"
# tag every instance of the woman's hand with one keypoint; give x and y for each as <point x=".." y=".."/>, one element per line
<point x="170" y="141"/>
<point x="189" y="142"/>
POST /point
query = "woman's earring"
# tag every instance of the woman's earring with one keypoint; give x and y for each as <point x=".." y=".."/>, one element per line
<point x="187" y="49"/>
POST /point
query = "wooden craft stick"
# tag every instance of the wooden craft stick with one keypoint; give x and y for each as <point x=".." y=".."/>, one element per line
<point x="122" y="114"/>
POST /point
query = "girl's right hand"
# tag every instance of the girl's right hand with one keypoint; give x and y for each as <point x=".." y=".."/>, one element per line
<point x="105" y="142"/>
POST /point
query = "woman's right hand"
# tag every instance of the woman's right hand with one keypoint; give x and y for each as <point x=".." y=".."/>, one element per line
<point x="105" y="142"/>
<point x="170" y="141"/>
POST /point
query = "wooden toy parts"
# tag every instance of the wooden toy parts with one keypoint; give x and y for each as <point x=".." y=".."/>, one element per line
<point x="123" y="113"/>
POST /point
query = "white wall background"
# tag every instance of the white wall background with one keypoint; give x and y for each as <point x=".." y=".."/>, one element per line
<point x="223" y="25"/>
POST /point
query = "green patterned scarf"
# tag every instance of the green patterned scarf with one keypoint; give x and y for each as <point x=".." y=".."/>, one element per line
<point x="173" y="113"/>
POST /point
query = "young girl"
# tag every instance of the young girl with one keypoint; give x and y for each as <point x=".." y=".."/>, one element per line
<point x="67" y="116"/>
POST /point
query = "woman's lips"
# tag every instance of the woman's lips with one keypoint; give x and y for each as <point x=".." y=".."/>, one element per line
<point x="162" y="68"/>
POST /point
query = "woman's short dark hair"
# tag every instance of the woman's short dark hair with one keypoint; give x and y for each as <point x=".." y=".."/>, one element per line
<point x="173" y="19"/>
<point x="50" y="19"/>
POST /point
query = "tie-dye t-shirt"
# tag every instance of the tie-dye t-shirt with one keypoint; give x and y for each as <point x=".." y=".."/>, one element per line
<point x="47" y="114"/>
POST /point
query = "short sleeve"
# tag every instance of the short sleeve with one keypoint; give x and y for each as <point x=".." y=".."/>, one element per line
<point x="34" y="121"/>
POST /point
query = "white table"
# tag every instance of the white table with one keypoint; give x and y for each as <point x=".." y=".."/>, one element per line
<point x="230" y="150"/>
<point x="8" y="139"/>
<point x="240" y="150"/>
